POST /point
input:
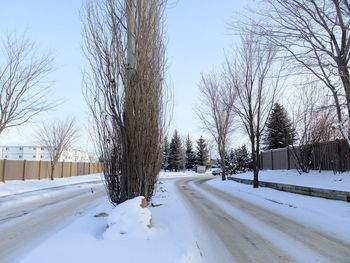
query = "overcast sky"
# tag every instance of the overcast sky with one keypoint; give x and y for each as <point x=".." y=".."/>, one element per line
<point x="197" y="36"/>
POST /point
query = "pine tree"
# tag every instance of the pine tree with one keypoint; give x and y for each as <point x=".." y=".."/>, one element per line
<point x="242" y="157"/>
<point x="202" y="152"/>
<point x="175" y="153"/>
<point x="230" y="160"/>
<point x="190" y="155"/>
<point x="279" y="130"/>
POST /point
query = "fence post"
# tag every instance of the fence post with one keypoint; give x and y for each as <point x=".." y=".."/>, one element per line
<point x="272" y="160"/>
<point x="340" y="169"/>
<point x="3" y="171"/>
<point x="62" y="169"/>
<point x="288" y="158"/>
<point x="70" y="170"/>
<point x="39" y="173"/>
<point x="24" y="170"/>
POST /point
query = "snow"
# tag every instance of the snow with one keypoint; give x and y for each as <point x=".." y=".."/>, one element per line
<point x="19" y="187"/>
<point x="181" y="174"/>
<point x="119" y="223"/>
<point x="176" y="235"/>
<point x="324" y="179"/>
<point x="287" y="244"/>
<point x="173" y="238"/>
<point x="328" y="216"/>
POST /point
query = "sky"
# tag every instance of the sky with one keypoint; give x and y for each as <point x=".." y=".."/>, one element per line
<point x="197" y="37"/>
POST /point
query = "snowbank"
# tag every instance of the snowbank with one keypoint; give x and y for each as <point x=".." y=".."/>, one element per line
<point x="17" y="187"/>
<point x="129" y="218"/>
<point x="171" y="239"/>
<point x="324" y="179"/>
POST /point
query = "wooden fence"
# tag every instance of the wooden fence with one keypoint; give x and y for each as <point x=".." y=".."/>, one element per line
<point x="333" y="155"/>
<point x="28" y="170"/>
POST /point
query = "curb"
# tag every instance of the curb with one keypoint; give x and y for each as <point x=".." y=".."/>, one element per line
<point x="303" y="190"/>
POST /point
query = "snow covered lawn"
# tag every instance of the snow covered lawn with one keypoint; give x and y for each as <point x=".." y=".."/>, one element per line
<point x="125" y="234"/>
<point x="324" y="179"/>
<point x="18" y="187"/>
<point x="328" y="216"/>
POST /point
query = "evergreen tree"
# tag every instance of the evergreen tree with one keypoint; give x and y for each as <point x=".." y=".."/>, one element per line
<point x="190" y="155"/>
<point x="202" y="152"/>
<point x="175" y="153"/>
<point x="279" y="130"/>
<point x="229" y="160"/>
<point x="166" y="152"/>
<point x="242" y="157"/>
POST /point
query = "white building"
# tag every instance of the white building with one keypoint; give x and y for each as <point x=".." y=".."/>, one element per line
<point x="39" y="153"/>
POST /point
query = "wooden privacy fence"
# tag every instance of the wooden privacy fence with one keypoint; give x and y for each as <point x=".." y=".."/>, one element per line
<point x="333" y="155"/>
<point x="28" y="170"/>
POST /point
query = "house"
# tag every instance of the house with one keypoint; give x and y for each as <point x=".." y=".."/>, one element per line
<point x="39" y="153"/>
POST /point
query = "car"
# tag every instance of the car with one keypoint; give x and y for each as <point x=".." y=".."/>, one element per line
<point x="216" y="172"/>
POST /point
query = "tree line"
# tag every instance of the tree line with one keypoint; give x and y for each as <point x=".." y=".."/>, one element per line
<point x="180" y="154"/>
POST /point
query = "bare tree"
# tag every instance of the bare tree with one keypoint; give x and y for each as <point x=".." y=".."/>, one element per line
<point x="22" y="73"/>
<point x="216" y="112"/>
<point x="256" y="81"/>
<point x="57" y="137"/>
<point x="315" y="35"/>
<point x="314" y="121"/>
<point x="125" y="91"/>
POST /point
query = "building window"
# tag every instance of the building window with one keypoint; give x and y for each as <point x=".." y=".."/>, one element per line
<point x="41" y="156"/>
<point x="5" y="156"/>
<point x="42" y="148"/>
<point x="34" y="148"/>
<point x="34" y="156"/>
<point x="6" y="148"/>
<point x="21" y="148"/>
<point x="20" y="157"/>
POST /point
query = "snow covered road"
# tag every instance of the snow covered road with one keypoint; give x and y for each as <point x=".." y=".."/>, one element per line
<point x="29" y="218"/>
<point x="254" y="234"/>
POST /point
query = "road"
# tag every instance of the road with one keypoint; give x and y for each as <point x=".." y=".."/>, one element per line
<point x="27" y="219"/>
<point x="253" y="234"/>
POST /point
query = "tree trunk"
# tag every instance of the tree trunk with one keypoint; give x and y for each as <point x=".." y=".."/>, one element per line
<point x="222" y="157"/>
<point x="52" y="170"/>
<point x="254" y="162"/>
<point x="345" y="78"/>
<point x="257" y="163"/>
<point x="223" y="169"/>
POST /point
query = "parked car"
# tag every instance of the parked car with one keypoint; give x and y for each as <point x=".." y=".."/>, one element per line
<point x="216" y="172"/>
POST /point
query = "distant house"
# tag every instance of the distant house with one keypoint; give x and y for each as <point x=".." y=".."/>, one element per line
<point x="39" y="153"/>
